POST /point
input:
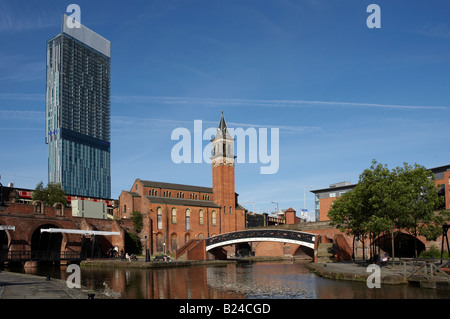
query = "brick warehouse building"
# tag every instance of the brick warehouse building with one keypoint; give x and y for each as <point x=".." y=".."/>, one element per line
<point x="325" y="197"/>
<point x="174" y="214"/>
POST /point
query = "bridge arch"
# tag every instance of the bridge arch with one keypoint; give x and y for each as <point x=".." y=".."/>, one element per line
<point x="46" y="243"/>
<point x="261" y="235"/>
<point x="5" y="240"/>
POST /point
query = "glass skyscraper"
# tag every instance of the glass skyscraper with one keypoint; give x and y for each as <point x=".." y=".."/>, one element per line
<point x="78" y="111"/>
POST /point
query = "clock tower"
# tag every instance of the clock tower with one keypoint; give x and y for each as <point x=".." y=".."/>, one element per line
<point x="223" y="176"/>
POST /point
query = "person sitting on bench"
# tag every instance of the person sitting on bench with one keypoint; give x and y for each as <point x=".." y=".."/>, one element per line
<point x="384" y="259"/>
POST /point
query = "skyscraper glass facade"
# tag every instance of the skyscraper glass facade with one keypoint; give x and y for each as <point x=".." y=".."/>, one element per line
<point x="78" y="112"/>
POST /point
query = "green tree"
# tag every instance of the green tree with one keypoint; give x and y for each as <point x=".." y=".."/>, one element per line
<point x="417" y="202"/>
<point x="136" y="217"/>
<point x="347" y="214"/>
<point x="379" y="218"/>
<point x="387" y="201"/>
<point x="50" y="195"/>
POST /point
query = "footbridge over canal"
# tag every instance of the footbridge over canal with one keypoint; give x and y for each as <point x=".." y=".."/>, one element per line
<point x="273" y="235"/>
<point x="199" y="249"/>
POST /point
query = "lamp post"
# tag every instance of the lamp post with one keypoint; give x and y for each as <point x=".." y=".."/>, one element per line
<point x="147" y="255"/>
<point x="3" y="206"/>
<point x="277" y="206"/>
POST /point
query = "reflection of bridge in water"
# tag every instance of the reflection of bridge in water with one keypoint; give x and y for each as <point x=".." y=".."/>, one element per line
<point x="261" y="235"/>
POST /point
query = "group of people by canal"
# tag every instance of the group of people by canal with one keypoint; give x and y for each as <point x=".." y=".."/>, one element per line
<point x="113" y="253"/>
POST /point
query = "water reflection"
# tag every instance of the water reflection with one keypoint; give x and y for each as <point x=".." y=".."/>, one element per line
<point x="258" y="280"/>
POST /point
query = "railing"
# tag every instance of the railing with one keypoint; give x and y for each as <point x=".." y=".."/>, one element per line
<point x="27" y="255"/>
<point x="427" y="268"/>
<point x="179" y="252"/>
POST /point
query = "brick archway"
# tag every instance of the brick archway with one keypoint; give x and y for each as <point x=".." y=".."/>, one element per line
<point x="5" y="239"/>
<point x="403" y="245"/>
<point x="51" y="243"/>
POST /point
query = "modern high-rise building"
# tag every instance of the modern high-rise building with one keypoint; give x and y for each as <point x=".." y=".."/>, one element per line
<point x="78" y="111"/>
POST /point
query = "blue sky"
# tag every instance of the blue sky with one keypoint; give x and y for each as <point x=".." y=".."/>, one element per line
<point x="340" y="93"/>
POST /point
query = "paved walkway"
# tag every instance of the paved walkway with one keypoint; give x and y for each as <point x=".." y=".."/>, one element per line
<point x="23" y="286"/>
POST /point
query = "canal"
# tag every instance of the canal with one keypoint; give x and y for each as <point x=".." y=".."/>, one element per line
<point x="273" y="280"/>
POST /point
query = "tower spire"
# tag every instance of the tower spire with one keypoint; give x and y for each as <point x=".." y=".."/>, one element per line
<point x="222" y="130"/>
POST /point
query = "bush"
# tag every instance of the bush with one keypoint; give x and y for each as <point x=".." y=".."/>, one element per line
<point x="433" y="252"/>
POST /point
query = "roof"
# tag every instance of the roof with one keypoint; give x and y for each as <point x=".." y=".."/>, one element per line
<point x="180" y="187"/>
<point x="181" y="201"/>
<point x="134" y="194"/>
<point x="351" y="186"/>
<point x="440" y="168"/>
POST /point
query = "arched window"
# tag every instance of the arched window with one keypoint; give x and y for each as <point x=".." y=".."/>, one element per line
<point x="187" y="238"/>
<point x="38" y="205"/>
<point x="224" y="209"/>
<point x="231" y="210"/>
<point x="59" y="209"/>
<point x="214" y="218"/>
<point x="159" y="218"/>
<point x="200" y="217"/>
<point x="188" y="219"/>
<point x="174" y="215"/>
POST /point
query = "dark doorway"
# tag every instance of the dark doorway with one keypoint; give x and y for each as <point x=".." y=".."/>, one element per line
<point x="403" y="245"/>
<point x="90" y="247"/>
<point x="3" y="245"/>
<point x="46" y="246"/>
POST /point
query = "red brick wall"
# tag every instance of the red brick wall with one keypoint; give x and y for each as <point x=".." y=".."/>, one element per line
<point x="27" y="222"/>
<point x="291" y="218"/>
<point x="224" y="195"/>
<point x="325" y="205"/>
<point x="445" y="181"/>
<point x="169" y="228"/>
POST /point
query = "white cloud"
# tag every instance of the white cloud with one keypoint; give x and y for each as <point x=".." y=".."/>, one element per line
<point x="260" y="103"/>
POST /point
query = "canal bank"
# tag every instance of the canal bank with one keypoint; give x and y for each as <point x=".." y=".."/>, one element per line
<point x="355" y="272"/>
<point x="388" y="276"/>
